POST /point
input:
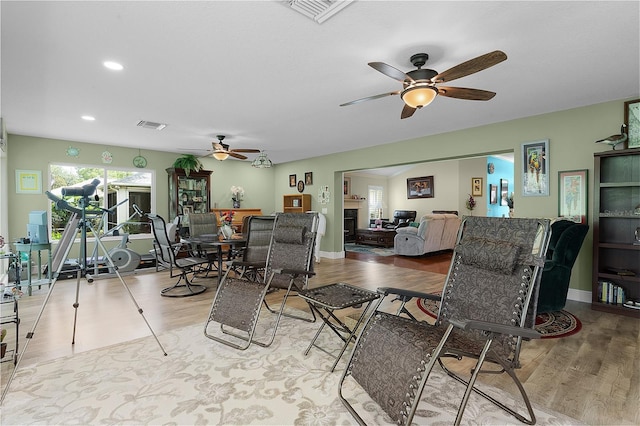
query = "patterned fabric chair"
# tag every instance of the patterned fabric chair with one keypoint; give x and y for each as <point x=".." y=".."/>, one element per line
<point x="238" y="301"/>
<point x="484" y="315"/>
<point x="176" y="257"/>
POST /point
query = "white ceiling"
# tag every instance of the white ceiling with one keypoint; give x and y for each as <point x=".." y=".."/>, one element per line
<point x="270" y="78"/>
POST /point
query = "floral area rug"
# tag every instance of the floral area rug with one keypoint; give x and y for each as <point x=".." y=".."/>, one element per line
<point x="202" y="382"/>
<point x="551" y="325"/>
<point x="378" y="251"/>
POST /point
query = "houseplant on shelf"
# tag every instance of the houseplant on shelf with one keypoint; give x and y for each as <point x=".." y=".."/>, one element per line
<point x="188" y="162"/>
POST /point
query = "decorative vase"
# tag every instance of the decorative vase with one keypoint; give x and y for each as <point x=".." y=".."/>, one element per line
<point x="236" y="204"/>
<point x="227" y="231"/>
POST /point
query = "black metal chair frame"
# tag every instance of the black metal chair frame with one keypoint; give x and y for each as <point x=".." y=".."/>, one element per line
<point x="238" y="300"/>
<point x="168" y="253"/>
<point x="488" y="309"/>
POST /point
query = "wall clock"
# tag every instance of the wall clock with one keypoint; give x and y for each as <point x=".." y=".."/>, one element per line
<point x="139" y="161"/>
<point x="300" y="186"/>
<point x="490" y="168"/>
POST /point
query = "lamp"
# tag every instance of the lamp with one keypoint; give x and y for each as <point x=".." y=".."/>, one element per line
<point x="417" y="96"/>
<point x="261" y="161"/>
<point x="220" y="156"/>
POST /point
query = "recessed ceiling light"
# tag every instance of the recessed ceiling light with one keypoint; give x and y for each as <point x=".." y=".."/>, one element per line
<point x="88" y="118"/>
<point x="113" y="65"/>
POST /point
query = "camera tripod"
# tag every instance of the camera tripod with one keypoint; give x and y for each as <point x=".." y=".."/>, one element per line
<point x="77" y="222"/>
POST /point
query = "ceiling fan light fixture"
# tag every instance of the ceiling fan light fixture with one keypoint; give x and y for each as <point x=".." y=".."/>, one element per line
<point x="220" y="156"/>
<point x="261" y="161"/>
<point x="419" y="96"/>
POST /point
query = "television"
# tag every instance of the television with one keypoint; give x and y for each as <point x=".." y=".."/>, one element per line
<point x="37" y="227"/>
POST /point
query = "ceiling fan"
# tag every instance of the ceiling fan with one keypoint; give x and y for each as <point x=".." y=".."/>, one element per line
<point x="221" y="150"/>
<point x="420" y="86"/>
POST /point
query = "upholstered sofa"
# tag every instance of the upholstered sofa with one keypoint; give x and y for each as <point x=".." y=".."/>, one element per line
<point x="435" y="232"/>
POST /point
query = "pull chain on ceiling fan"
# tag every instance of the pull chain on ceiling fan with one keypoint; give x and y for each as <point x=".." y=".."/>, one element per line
<point x="420" y="85"/>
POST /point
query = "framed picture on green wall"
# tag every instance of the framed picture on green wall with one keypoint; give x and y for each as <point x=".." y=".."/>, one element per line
<point x="572" y="195"/>
<point x="535" y="168"/>
<point x="632" y="121"/>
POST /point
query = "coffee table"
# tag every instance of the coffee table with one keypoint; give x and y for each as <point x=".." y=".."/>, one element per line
<point x="326" y="299"/>
<point x="375" y="237"/>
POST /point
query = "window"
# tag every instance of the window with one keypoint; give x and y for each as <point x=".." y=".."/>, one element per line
<point x="375" y="202"/>
<point x="118" y="191"/>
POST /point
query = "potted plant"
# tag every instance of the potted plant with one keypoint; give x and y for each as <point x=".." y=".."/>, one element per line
<point x="3" y="345"/>
<point x="188" y="162"/>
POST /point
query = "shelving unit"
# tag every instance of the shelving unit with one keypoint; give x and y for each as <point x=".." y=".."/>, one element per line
<point x="616" y="259"/>
<point x="296" y="203"/>
<point x="191" y="193"/>
<point x="9" y="315"/>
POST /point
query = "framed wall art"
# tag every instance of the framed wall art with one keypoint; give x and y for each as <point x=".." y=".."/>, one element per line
<point x="308" y="178"/>
<point x="632" y="121"/>
<point x="504" y="192"/>
<point x="28" y="182"/>
<point x="493" y="194"/>
<point x="572" y="195"/>
<point x="535" y="168"/>
<point x="420" y="187"/>
<point x="476" y="186"/>
<point x="346" y="186"/>
<point x="292" y="180"/>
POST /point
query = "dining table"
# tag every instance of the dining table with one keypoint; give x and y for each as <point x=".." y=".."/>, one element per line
<point x="206" y="242"/>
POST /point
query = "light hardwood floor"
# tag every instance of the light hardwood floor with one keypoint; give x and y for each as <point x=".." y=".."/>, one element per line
<point x="593" y="376"/>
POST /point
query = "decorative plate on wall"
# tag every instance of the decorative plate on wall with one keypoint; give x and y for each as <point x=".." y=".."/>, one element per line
<point x="139" y="161"/>
<point x="73" y="151"/>
<point x="490" y="168"/>
<point x="107" y="157"/>
<point x="300" y="186"/>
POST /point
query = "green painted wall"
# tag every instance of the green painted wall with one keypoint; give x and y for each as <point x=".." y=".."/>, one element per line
<point x="571" y="135"/>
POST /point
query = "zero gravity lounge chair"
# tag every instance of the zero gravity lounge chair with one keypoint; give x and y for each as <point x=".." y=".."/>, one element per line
<point x="485" y="313"/>
<point x="238" y="300"/>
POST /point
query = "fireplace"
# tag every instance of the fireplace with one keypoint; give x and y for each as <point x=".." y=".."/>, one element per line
<point x="350" y="225"/>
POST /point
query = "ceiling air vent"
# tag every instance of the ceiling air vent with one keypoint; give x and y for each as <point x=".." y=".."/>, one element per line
<point x="151" y="125"/>
<point x="318" y="10"/>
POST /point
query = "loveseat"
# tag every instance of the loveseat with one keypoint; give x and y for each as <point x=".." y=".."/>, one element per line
<point x="435" y="232"/>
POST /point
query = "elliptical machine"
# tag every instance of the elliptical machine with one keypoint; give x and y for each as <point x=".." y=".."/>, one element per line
<point x="125" y="259"/>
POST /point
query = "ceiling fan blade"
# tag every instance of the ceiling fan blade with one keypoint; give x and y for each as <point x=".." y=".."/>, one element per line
<point x="464" y="93"/>
<point x="238" y="156"/>
<point x="471" y="66"/>
<point x="407" y="111"/>
<point x="244" y="150"/>
<point x="390" y="71"/>
<point x="369" y="98"/>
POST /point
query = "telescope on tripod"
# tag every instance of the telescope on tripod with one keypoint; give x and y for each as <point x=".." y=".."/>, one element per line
<point x="77" y="222"/>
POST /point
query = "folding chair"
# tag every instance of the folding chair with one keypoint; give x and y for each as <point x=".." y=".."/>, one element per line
<point x="177" y="257"/>
<point x="204" y="226"/>
<point x="238" y="300"/>
<point x="253" y="256"/>
<point x="485" y="314"/>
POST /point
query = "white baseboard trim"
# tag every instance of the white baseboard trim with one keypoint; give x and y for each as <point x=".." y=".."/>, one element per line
<point x="332" y="254"/>
<point x="579" y="295"/>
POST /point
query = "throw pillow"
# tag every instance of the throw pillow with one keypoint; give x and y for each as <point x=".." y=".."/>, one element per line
<point x="414" y="224"/>
<point x="490" y="255"/>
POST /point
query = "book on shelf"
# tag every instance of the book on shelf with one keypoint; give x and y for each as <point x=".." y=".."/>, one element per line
<point x="611" y="293"/>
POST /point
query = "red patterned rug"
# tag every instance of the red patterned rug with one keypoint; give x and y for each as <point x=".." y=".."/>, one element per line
<point x="551" y="325"/>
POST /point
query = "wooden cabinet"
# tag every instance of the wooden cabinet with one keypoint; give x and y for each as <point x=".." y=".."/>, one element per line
<point x="616" y="259"/>
<point x="296" y="203"/>
<point x="189" y="193"/>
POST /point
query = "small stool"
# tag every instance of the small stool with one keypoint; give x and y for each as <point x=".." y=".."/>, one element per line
<point x="326" y="299"/>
